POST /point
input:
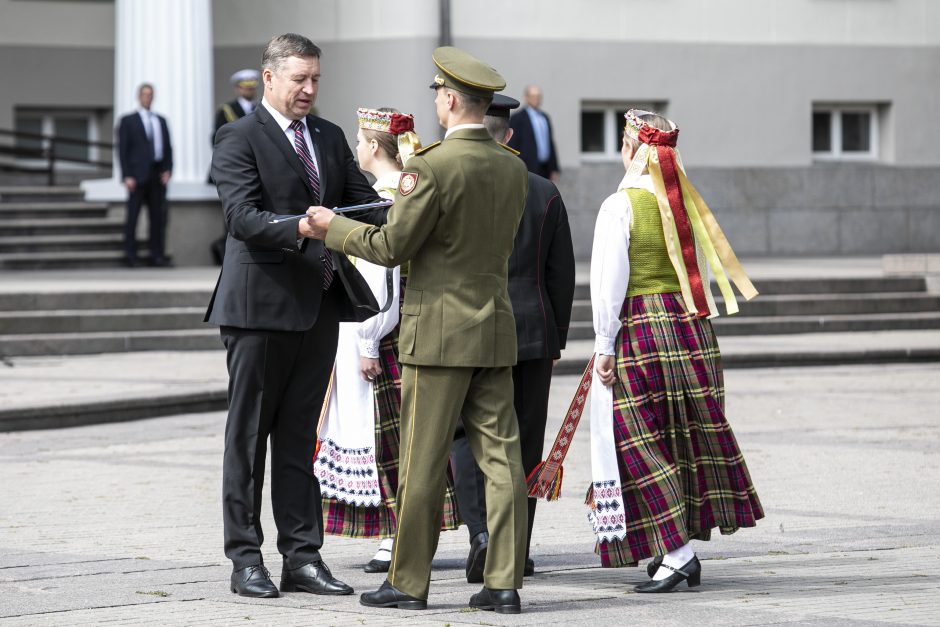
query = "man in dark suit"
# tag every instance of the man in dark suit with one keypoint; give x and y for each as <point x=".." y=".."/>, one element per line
<point x="146" y="157"/>
<point x="541" y="288"/>
<point x="279" y="307"/>
<point x="533" y="137"/>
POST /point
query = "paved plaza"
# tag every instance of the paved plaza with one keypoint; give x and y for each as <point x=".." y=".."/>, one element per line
<point x="120" y="523"/>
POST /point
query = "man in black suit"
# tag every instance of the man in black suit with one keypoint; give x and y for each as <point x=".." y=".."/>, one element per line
<point x="146" y="157"/>
<point x="541" y="288"/>
<point x="279" y="307"/>
<point x="533" y="137"/>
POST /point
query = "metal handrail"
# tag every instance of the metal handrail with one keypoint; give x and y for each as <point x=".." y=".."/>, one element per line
<point x="48" y="151"/>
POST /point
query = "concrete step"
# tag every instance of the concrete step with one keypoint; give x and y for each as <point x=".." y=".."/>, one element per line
<point x="52" y="210"/>
<point x="807" y="349"/>
<point x="30" y="226"/>
<point x="62" y="242"/>
<point x="817" y="304"/>
<point x="100" y="320"/>
<point x="39" y="193"/>
<point x="98" y="299"/>
<point x="206" y="338"/>
<point x="71" y="259"/>
<point x="772" y="325"/>
<point x="814" y="285"/>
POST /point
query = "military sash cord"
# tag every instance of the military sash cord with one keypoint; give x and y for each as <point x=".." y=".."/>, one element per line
<point x="545" y="479"/>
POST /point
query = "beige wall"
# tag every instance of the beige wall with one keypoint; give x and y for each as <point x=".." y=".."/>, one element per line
<point x="828" y="22"/>
<point x="56" y="24"/>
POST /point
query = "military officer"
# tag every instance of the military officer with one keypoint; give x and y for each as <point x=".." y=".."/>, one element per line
<point x="245" y="83"/>
<point x="457" y="208"/>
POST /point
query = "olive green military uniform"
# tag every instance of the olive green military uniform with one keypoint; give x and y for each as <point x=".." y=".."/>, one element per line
<point x="455" y="217"/>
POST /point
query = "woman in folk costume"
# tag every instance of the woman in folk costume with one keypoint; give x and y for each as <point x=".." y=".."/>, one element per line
<point x="357" y="452"/>
<point x="666" y="466"/>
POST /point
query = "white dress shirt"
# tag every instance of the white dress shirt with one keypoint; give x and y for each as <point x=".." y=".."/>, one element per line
<point x="285" y="123"/>
<point x="154" y="131"/>
<point x="543" y="142"/>
<point x="246" y="105"/>
<point x="460" y="127"/>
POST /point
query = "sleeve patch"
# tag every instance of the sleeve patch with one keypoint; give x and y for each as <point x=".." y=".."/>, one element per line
<point x="407" y="183"/>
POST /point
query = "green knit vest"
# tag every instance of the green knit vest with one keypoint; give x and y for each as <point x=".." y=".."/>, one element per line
<point x="651" y="271"/>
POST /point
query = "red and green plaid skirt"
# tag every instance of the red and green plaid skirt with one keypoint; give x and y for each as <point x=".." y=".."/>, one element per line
<point x="681" y="471"/>
<point x="358" y="521"/>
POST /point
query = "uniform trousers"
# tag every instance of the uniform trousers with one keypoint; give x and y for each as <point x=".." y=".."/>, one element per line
<point x="433" y="398"/>
<point x="531" y="380"/>
<point x="277" y="382"/>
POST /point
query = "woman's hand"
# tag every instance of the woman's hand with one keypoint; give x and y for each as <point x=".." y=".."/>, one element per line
<point x="369" y="368"/>
<point x="606" y="368"/>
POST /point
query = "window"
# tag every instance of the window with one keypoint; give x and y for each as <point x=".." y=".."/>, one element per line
<point x="845" y="132"/>
<point x="66" y="124"/>
<point x="602" y="127"/>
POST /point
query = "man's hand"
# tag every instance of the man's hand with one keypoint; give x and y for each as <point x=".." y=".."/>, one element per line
<point x="606" y="368"/>
<point x="165" y="177"/>
<point x="130" y="183"/>
<point x="316" y="224"/>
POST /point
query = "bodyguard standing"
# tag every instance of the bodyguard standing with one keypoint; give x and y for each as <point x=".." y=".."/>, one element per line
<point x="146" y="157"/>
<point x="278" y="303"/>
<point x="455" y="216"/>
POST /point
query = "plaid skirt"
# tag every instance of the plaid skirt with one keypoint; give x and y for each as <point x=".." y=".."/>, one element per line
<point x="357" y="521"/>
<point x="681" y="471"/>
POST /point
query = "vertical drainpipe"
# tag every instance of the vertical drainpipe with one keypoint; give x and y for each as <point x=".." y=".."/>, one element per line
<point x="444" y="36"/>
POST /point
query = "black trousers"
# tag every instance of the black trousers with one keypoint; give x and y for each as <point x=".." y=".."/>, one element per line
<point x="531" y="381"/>
<point x="277" y="382"/>
<point x="153" y="194"/>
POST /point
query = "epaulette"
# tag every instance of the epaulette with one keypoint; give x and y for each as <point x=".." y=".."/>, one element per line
<point x="423" y="150"/>
<point x="512" y="150"/>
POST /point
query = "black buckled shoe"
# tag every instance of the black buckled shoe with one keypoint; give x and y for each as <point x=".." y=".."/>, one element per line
<point x="389" y="596"/>
<point x="690" y="572"/>
<point x="653" y="565"/>
<point x="377" y="566"/>
<point x="476" y="560"/>
<point x="500" y="601"/>
<point x="314" y="578"/>
<point x="529" y="568"/>
<point x="254" y="581"/>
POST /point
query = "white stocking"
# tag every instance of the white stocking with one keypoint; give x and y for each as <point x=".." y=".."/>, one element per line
<point x="677" y="559"/>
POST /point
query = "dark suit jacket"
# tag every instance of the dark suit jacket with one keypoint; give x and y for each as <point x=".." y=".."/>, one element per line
<point x="542" y="273"/>
<point x="523" y="140"/>
<point x="135" y="151"/>
<point x="266" y="282"/>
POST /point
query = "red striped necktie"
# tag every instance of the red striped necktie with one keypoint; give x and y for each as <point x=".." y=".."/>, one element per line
<point x="303" y="151"/>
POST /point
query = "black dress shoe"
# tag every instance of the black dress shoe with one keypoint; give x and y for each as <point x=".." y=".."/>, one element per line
<point x="529" y="569"/>
<point x="160" y="262"/>
<point x="130" y="262"/>
<point x="691" y="572"/>
<point x="389" y="596"/>
<point x="476" y="561"/>
<point x="314" y="577"/>
<point x="377" y="566"/>
<point x="501" y="601"/>
<point x="254" y="581"/>
<point x="653" y="565"/>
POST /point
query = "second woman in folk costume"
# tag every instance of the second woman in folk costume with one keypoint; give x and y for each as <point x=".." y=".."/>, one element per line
<point x="357" y="455"/>
<point x="666" y="466"/>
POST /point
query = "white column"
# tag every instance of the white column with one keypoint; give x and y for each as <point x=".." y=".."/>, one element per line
<point x="169" y="45"/>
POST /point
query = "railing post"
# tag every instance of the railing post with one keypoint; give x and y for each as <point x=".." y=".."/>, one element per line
<point x="51" y="159"/>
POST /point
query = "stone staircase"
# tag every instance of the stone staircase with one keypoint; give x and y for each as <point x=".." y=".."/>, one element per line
<point x="136" y="314"/>
<point x="75" y="323"/>
<point x="53" y="227"/>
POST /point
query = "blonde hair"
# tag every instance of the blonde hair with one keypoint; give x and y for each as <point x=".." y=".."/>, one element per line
<point x="653" y="119"/>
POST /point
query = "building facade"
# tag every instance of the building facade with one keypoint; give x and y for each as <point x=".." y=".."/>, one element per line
<point x="806" y="124"/>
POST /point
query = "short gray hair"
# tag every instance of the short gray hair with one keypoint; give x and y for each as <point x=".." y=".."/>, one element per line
<point x="284" y="46"/>
<point x="496" y="126"/>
